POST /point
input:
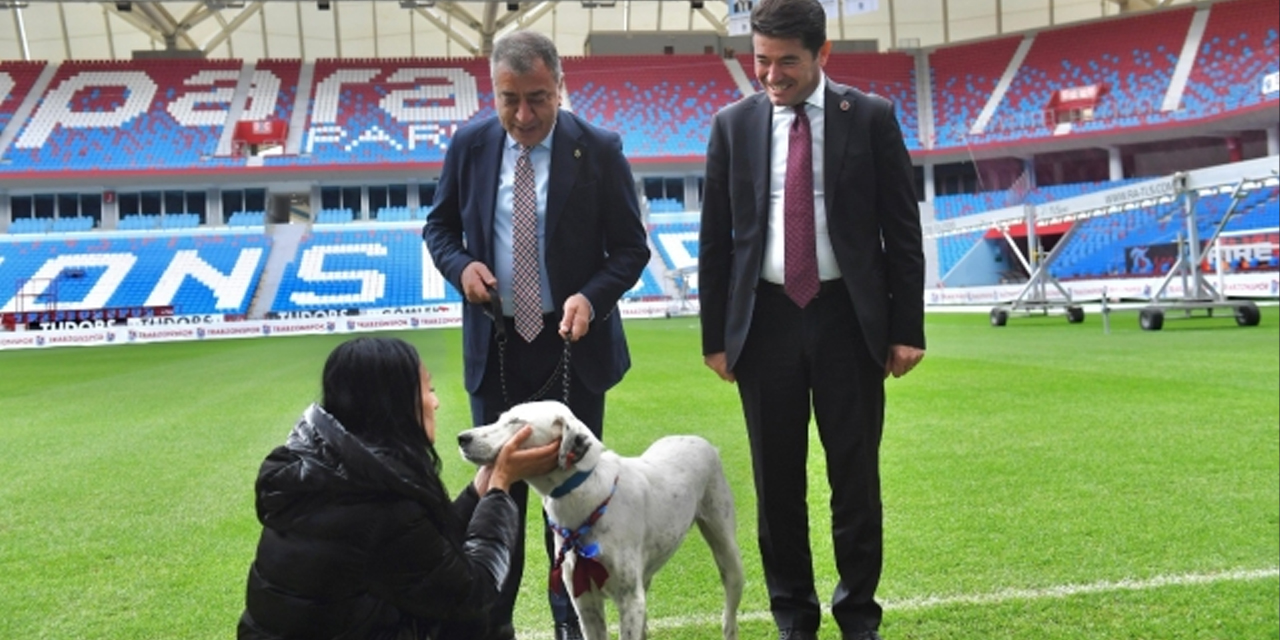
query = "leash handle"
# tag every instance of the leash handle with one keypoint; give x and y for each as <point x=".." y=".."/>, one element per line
<point x="493" y="309"/>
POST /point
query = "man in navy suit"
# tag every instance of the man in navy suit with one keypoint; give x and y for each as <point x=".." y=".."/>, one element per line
<point x="591" y="249"/>
<point x="811" y="280"/>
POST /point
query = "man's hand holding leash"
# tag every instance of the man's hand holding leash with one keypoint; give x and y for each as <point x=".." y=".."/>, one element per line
<point x="477" y="282"/>
<point x="577" y="318"/>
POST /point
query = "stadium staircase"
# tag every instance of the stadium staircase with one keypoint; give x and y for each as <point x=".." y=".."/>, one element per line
<point x="285" y="239"/>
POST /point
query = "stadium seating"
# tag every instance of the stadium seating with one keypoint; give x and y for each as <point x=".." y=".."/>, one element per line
<point x="1099" y="247"/>
<point x="246" y="219"/>
<point x="952" y="248"/>
<point x="964" y="77"/>
<point x="369" y="111"/>
<point x="286" y="72"/>
<point x="666" y="205"/>
<point x="1132" y="58"/>
<point x="401" y="214"/>
<point x="195" y="273"/>
<point x="1241" y="45"/>
<point x="170" y="115"/>
<point x="676" y="242"/>
<point x="748" y="62"/>
<point x="359" y="268"/>
<point x="661" y="105"/>
<point x="16" y="78"/>
<point x="959" y="205"/>
<point x="647" y="287"/>
<point x="889" y="75"/>
<point x="335" y="216"/>
<point x="136" y="114"/>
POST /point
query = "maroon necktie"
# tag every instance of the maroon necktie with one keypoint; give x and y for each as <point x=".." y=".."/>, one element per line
<point x="800" y="251"/>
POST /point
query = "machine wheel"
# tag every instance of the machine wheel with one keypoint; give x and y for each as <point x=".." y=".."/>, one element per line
<point x="1247" y="315"/>
<point x="1151" y="319"/>
<point x="999" y="317"/>
<point x="1075" y="315"/>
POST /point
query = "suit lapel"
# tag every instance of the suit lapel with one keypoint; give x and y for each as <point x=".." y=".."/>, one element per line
<point x="567" y="151"/>
<point x="486" y="154"/>
<point x="838" y="111"/>
<point x="760" y="118"/>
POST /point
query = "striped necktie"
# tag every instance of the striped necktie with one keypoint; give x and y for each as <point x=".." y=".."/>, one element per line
<point x="525" y="282"/>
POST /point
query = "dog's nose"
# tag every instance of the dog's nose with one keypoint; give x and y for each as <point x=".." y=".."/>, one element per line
<point x="464" y="439"/>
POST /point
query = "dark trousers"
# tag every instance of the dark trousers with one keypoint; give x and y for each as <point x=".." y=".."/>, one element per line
<point x="526" y="368"/>
<point x="795" y="360"/>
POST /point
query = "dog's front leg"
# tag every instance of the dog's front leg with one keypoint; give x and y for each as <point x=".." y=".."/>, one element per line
<point x="590" y="606"/>
<point x="632" y="616"/>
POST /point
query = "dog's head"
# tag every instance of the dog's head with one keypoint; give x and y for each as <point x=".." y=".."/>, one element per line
<point x="550" y="420"/>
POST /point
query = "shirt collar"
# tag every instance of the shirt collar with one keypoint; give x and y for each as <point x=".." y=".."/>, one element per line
<point x="816" y="99"/>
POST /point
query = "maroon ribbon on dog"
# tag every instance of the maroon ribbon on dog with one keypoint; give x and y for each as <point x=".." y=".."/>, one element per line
<point x="587" y="569"/>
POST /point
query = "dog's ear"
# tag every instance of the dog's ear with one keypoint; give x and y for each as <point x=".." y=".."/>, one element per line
<point x="575" y="441"/>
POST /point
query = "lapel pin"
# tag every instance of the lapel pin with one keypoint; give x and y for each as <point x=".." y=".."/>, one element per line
<point x="577" y="153"/>
<point x="844" y="105"/>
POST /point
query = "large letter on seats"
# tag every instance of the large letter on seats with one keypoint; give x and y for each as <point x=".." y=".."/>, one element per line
<point x="56" y="110"/>
<point x="229" y="289"/>
<point x="117" y="267"/>
<point x="329" y="90"/>
<point x="373" y="284"/>
<point x="184" y="109"/>
<point x="459" y="86"/>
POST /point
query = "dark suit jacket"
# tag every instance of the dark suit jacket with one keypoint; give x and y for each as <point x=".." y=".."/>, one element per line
<point x="872" y="215"/>
<point x="596" y="243"/>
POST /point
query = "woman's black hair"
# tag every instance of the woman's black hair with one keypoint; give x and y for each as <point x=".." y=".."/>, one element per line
<point x="373" y="387"/>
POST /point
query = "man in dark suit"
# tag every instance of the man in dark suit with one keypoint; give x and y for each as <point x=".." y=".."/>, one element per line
<point x="539" y="206"/>
<point x="811" y="280"/>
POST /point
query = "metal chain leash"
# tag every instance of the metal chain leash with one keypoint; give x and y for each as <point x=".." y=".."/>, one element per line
<point x="494" y="311"/>
<point x="561" y="370"/>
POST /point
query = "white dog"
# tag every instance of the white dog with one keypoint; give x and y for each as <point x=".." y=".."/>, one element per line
<point x="626" y="516"/>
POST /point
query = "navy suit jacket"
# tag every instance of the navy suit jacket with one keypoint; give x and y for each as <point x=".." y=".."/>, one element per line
<point x="872" y="217"/>
<point x="596" y="243"/>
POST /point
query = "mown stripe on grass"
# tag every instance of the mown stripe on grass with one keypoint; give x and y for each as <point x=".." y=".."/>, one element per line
<point x="996" y="597"/>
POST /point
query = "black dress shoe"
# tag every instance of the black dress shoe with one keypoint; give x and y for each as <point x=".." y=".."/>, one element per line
<point x="797" y="634"/>
<point x="504" y="632"/>
<point x="568" y="631"/>
<point x="864" y="635"/>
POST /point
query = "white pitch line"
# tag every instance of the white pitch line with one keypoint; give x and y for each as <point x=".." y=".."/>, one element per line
<point x="1064" y="591"/>
<point x="997" y="597"/>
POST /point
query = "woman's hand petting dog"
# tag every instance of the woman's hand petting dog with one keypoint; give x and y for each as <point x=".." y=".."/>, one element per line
<point x="515" y="464"/>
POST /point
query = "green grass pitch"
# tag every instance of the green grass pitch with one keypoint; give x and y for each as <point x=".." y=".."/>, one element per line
<point x="1041" y="481"/>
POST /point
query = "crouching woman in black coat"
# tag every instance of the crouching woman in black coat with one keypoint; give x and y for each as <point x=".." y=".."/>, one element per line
<point x="359" y="538"/>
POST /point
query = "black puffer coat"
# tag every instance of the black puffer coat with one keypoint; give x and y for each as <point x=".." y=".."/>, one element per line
<point x="350" y="549"/>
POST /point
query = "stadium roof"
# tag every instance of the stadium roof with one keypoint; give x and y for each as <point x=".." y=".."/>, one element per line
<point x="249" y="30"/>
